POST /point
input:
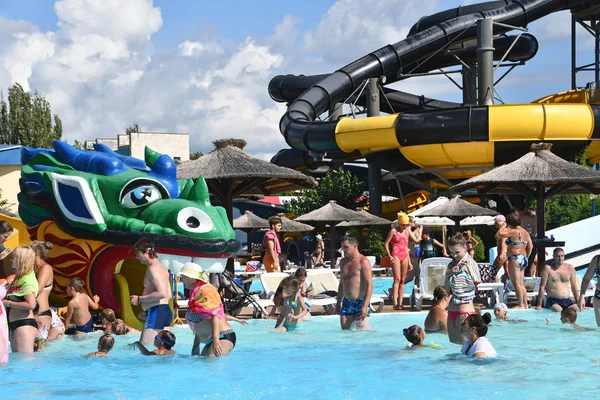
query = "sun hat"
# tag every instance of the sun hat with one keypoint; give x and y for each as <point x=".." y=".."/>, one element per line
<point x="501" y="307"/>
<point x="403" y="218"/>
<point x="500" y="218"/>
<point x="319" y="237"/>
<point x="193" y="270"/>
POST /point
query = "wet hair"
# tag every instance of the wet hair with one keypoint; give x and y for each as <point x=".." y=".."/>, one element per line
<point x="76" y="284"/>
<point x="5" y="227"/>
<point x="167" y="337"/>
<point x="300" y="273"/>
<point x="290" y="285"/>
<point x="274" y="221"/>
<point x="478" y="322"/>
<point x="513" y="219"/>
<point x="569" y="314"/>
<point x="487" y="318"/>
<point x="143" y="246"/>
<point x="23" y="261"/>
<point x="108" y="314"/>
<point x="41" y="248"/>
<point x="119" y="327"/>
<point x="413" y="334"/>
<point x="350" y="239"/>
<point x="457" y="240"/>
<point x="439" y="294"/>
<point x="106" y="342"/>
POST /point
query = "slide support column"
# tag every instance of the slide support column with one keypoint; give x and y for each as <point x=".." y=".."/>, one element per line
<point x="375" y="206"/>
<point x="485" y="61"/>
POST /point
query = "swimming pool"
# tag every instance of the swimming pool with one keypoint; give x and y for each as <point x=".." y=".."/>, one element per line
<point x="535" y="361"/>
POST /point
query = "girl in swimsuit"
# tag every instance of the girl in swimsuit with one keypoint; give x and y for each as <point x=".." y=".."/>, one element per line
<point x="20" y="301"/>
<point x="399" y="237"/>
<point x="471" y="243"/>
<point x="592" y="270"/>
<point x="518" y="248"/>
<point x="293" y="307"/>
<point x="437" y="319"/>
<point x="462" y="277"/>
<point x="45" y="277"/>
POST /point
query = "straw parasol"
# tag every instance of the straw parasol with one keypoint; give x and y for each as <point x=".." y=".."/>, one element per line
<point x="288" y="225"/>
<point x="458" y="209"/>
<point x="249" y="223"/>
<point x="369" y="219"/>
<point x="230" y="172"/>
<point x="331" y="213"/>
<point x="539" y="174"/>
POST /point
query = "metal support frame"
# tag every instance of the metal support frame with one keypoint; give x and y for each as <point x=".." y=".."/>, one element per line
<point x="375" y="206"/>
<point x="590" y="21"/>
<point x="485" y="61"/>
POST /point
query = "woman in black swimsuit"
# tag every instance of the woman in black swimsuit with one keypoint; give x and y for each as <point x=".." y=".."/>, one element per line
<point x="45" y="277"/>
<point x="20" y="301"/>
<point x="593" y="270"/>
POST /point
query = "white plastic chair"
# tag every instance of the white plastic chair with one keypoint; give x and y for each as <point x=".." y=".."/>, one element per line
<point x="433" y="274"/>
<point x="531" y="294"/>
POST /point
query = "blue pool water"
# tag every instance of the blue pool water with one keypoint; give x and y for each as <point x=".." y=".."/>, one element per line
<point x="535" y="361"/>
<point x="380" y="285"/>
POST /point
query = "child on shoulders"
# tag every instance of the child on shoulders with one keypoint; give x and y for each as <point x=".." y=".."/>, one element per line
<point x="78" y="318"/>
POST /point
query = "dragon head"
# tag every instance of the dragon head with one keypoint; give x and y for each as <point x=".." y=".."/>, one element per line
<point x="103" y="197"/>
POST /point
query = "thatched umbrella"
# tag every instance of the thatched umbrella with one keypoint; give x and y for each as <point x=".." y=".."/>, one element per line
<point x="539" y="174"/>
<point x="230" y="172"/>
<point x="458" y="209"/>
<point x="369" y="219"/>
<point x="331" y="213"/>
<point x="249" y="223"/>
<point x="288" y="225"/>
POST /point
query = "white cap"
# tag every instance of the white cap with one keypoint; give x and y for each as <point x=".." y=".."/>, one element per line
<point x="319" y="237"/>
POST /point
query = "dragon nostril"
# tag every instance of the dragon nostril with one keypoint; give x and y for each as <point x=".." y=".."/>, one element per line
<point x="192" y="222"/>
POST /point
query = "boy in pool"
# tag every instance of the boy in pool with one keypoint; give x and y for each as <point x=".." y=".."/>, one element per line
<point x="78" y="308"/>
<point x="164" y="342"/>
<point x="415" y="336"/>
<point x="569" y="316"/>
<point x="293" y="307"/>
<point x="105" y="344"/>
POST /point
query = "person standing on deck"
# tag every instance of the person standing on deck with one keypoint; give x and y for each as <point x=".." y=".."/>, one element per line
<point x="272" y="247"/>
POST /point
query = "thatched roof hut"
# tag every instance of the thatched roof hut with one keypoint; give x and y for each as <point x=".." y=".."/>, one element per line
<point x="249" y="222"/>
<point x="288" y="225"/>
<point x="457" y="209"/>
<point x="369" y="219"/>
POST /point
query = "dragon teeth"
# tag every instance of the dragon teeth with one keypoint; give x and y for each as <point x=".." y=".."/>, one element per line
<point x="174" y="263"/>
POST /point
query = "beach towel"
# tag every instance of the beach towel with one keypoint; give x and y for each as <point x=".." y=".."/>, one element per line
<point x="205" y="302"/>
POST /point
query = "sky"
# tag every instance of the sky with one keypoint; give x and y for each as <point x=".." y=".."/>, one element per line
<point x="203" y="67"/>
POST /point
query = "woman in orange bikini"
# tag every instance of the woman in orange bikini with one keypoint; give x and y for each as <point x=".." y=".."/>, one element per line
<point x="399" y="237"/>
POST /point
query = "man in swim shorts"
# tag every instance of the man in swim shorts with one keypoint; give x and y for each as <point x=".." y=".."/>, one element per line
<point x="156" y="295"/>
<point x="557" y="280"/>
<point x="356" y="286"/>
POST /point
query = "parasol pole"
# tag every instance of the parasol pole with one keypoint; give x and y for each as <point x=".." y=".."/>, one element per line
<point x="332" y="245"/>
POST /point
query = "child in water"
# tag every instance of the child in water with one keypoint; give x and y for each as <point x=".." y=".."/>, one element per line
<point x="163" y="342"/>
<point x="78" y="318"/>
<point x="105" y="344"/>
<point x="293" y="307"/>
<point x="569" y="316"/>
<point x="501" y="311"/>
<point x="416" y="336"/>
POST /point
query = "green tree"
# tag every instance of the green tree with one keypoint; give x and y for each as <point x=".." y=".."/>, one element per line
<point x="196" y="155"/>
<point x="135" y="128"/>
<point x="3" y="202"/>
<point x="375" y="243"/>
<point x="78" y="145"/>
<point x="27" y="119"/>
<point x="343" y="187"/>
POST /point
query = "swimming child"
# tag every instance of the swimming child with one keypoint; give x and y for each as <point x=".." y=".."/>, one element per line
<point x="415" y="336"/>
<point x="105" y="344"/>
<point x="78" y="308"/>
<point x="501" y="313"/>
<point x="293" y="307"/>
<point x="112" y="324"/>
<point x="569" y="316"/>
<point x="164" y="342"/>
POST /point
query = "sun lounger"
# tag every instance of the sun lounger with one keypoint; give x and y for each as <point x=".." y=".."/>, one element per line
<point x="531" y="284"/>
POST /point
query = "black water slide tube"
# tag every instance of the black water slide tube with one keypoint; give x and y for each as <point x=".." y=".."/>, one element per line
<point x="298" y="124"/>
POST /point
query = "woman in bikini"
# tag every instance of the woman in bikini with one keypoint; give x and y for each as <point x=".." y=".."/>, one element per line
<point x="20" y="301"/>
<point x="398" y="237"/>
<point x="437" y="319"/>
<point x="518" y="249"/>
<point x="45" y="277"/>
<point x="206" y="316"/>
<point x="462" y="277"/>
<point x="592" y="270"/>
<point x="471" y="243"/>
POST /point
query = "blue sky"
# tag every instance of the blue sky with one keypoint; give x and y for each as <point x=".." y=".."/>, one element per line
<point x="203" y="67"/>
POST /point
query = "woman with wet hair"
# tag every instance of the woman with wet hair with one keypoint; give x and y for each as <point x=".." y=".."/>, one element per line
<point x="475" y="328"/>
<point x="45" y="277"/>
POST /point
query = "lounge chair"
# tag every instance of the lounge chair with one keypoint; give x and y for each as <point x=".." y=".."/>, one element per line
<point x="489" y="290"/>
<point x="324" y="280"/>
<point x="531" y="284"/>
<point x="433" y="274"/>
<point x="589" y="291"/>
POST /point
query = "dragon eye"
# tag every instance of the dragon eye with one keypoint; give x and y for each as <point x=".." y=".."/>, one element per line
<point x="141" y="196"/>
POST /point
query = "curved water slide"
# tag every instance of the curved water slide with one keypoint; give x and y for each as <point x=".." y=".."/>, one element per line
<point x="455" y="138"/>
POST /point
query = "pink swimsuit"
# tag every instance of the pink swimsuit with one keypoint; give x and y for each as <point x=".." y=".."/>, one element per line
<point x="400" y="246"/>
